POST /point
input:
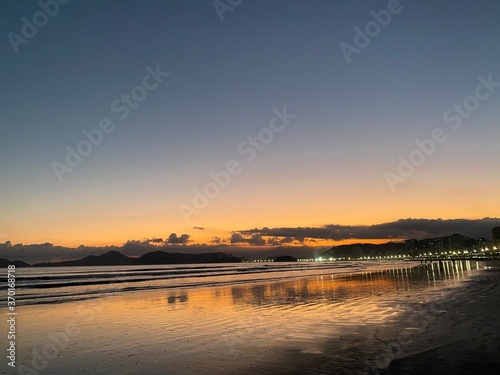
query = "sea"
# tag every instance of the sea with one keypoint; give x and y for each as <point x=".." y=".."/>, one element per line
<point x="36" y="285"/>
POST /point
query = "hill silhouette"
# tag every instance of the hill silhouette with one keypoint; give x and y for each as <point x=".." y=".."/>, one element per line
<point x="18" y="263"/>
<point x="115" y="258"/>
<point x="365" y="249"/>
<point x="294" y="251"/>
<point x="285" y="258"/>
<point x="161" y="257"/>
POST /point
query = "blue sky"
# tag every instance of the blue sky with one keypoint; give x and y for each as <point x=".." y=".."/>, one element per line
<point x="226" y="77"/>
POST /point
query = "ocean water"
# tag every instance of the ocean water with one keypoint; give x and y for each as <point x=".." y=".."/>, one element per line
<point x="231" y="318"/>
<point x="63" y="284"/>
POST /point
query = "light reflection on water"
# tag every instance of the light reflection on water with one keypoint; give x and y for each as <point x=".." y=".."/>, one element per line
<point x="37" y="285"/>
<point x="205" y="329"/>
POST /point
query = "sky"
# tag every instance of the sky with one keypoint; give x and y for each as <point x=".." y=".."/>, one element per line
<point x="214" y="121"/>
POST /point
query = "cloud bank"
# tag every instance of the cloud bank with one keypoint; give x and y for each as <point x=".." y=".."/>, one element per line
<point x="254" y="242"/>
<point x="400" y="229"/>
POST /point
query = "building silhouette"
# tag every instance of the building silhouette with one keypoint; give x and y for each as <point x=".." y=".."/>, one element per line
<point x="496" y="236"/>
<point x="456" y="242"/>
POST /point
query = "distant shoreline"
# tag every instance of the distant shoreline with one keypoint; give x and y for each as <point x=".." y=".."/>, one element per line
<point x="115" y="258"/>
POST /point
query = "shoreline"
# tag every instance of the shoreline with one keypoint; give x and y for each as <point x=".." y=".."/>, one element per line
<point x="31" y="294"/>
<point x="321" y="324"/>
<point x="469" y="325"/>
<point x="453" y="331"/>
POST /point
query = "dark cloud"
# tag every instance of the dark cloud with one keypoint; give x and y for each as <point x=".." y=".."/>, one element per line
<point x="401" y="229"/>
<point x="273" y="241"/>
<point x="48" y="252"/>
<point x="216" y="240"/>
<point x="155" y="240"/>
<point x="237" y="238"/>
<point x="280" y="241"/>
<point x="255" y="239"/>
<point x="182" y="239"/>
<point x="199" y="228"/>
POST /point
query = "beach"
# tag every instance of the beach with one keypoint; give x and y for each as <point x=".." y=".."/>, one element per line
<point x="389" y="319"/>
<point x="467" y="331"/>
<point x="253" y="187"/>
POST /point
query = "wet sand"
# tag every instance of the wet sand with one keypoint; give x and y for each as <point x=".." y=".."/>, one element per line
<point x="469" y="328"/>
<point x="451" y="330"/>
<point x="341" y="324"/>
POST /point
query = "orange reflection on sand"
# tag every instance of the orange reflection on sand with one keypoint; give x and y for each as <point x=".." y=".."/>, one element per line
<point x="147" y="329"/>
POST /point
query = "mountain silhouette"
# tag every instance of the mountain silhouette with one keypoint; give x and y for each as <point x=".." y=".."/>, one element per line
<point x="365" y="249"/>
<point x="285" y="258"/>
<point x="4" y="263"/>
<point x="115" y="258"/>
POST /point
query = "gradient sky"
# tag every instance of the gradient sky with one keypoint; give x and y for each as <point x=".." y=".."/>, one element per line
<point x="352" y="121"/>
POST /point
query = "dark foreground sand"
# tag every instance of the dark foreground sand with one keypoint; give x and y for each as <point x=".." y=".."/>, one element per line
<point x="455" y="331"/>
<point x="472" y="319"/>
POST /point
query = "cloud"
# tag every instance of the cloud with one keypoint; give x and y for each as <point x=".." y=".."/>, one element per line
<point x="254" y="239"/>
<point x="273" y="241"/>
<point x="237" y="238"/>
<point x="199" y="228"/>
<point x="216" y="240"/>
<point x="155" y="240"/>
<point x="400" y="229"/>
<point x="173" y="239"/>
<point x="48" y="252"/>
<point x="280" y="241"/>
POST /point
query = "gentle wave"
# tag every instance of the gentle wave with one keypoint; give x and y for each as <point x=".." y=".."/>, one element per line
<point x="64" y="284"/>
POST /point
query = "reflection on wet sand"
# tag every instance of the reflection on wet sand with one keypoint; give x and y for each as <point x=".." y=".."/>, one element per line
<point x="335" y="289"/>
<point x="175" y="298"/>
<point x="244" y="328"/>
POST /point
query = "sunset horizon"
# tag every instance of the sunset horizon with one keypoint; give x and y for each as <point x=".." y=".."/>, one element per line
<point x="330" y="234"/>
<point x="252" y="242"/>
<point x="250" y="187"/>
